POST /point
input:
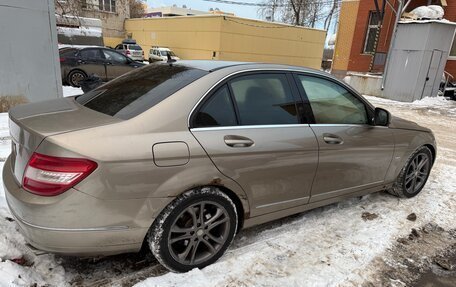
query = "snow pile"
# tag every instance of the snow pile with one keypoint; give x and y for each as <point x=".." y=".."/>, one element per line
<point x="428" y="12"/>
<point x="69" y="91"/>
<point x="81" y="31"/>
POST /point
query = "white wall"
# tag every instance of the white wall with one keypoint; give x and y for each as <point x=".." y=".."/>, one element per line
<point x="29" y="64"/>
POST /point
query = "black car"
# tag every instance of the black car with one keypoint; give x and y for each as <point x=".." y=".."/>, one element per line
<point x="78" y="64"/>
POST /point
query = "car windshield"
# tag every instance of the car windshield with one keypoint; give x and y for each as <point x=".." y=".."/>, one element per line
<point x="134" y="47"/>
<point x="165" y="53"/>
<point x="139" y="90"/>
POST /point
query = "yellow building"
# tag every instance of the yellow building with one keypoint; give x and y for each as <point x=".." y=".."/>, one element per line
<point x="229" y="38"/>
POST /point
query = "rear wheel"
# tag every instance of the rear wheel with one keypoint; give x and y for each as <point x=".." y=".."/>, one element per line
<point x="75" y="77"/>
<point x="194" y="230"/>
<point x="414" y="174"/>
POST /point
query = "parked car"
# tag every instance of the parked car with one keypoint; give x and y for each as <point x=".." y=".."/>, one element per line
<point x="161" y="54"/>
<point x="77" y="64"/>
<point x="130" y="49"/>
<point x="180" y="157"/>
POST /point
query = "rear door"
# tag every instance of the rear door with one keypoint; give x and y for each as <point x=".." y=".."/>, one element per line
<point x="251" y="130"/>
<point x="354" y="155"/>
<point x="92" y="62"/>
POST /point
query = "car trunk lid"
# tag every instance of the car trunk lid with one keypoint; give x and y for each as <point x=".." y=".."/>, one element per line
<point x="30" y="124"/>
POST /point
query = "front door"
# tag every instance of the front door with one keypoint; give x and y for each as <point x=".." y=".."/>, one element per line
<point x="251" y="130"/>
<point x="354" y="155"/>
<point x="116" y="64"/>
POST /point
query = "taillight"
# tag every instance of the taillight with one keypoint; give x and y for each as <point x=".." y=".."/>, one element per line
<point x="49" y="175"/>
<point x="127" y="52"/>
<point x="143" y="53"/>
<point x="62" y="60"/>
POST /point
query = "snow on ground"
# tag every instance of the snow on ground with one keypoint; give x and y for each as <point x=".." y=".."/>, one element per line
<point x="69" y="91"/>
<point x="328" y="246"/>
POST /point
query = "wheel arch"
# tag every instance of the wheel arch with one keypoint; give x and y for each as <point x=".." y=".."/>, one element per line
<point x="433" y="151"/>
<point x="240" y="210"/>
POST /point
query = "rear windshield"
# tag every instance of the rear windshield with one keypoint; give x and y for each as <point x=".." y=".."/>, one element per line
<point x="66" y="52"/>
<point x="134" y="47"/>
<point x="139" y="90"/>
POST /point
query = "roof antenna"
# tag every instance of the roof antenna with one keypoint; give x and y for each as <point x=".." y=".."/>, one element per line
<point x="170" y="60"/>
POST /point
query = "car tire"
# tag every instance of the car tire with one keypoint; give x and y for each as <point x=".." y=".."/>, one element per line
<point x="414" y="174"/>
<point x="75" y="76"/>
<point x="183" y="238"/>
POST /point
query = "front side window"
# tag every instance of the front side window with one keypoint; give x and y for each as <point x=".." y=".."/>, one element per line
<point x="133" y="93"/>
<point x="369" y="44"/>
<point x="331" y="103"/>
<point x="264" y="99"/>
<point x="114" y="57"/>
<point x="217" y="111"/>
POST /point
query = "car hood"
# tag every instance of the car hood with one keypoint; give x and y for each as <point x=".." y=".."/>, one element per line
<point x="400" y="123"/>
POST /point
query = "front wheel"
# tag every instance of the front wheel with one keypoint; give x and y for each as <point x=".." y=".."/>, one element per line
<point x="414" y="174"/>
<point x="194" y="230"/>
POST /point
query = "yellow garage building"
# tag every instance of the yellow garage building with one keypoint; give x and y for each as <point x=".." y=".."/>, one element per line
<point x="230" y="38"/>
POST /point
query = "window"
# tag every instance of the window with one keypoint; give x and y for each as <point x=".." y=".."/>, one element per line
<point x="217" y="111"/>
<point x="369" y="44"/>
<point x="107" y="5"/>
<point x="134" y="47"/>
<point x="90" y="54"/>
<point x="331" y="103"/>
<point x="133" y="93"/>
<point x="264" y="99"/>
<point x="115" y="57"/>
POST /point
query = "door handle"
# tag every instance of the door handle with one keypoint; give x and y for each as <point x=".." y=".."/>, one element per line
<point x="237" y="141"/>
<point x="332" y="139"/>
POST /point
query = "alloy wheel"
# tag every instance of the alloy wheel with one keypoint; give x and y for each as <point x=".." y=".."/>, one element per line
<point x="417" y="173"/>
<point x="199" y="232"/>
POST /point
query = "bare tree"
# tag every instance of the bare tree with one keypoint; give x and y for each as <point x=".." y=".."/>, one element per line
<point x="331" y="13"/>
<point x="300" y="12"/>
<point x="137" y="8"/>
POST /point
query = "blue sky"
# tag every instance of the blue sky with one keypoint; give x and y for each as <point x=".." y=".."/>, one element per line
<point x="241" y="11"/>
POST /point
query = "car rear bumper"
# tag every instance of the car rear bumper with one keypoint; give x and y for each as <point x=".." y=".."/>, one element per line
<point x="75" y="223"/>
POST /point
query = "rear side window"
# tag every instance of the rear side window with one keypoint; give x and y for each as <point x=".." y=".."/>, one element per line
<point x="90" y="54"/>
<point x="264" y="99"/>
<point x="139" y="90"/>
<point x="217" y="111"/>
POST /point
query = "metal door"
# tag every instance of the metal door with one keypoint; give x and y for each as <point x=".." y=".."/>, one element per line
<point x="432" y="76"/>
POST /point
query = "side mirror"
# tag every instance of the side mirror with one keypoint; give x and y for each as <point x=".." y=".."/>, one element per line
<point x="382" y="117"/>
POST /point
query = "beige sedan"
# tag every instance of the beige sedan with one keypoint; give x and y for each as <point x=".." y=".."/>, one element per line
<point x="181" y="156"/>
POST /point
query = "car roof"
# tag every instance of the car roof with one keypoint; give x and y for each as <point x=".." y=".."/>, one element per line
<point x="213" y="65"/>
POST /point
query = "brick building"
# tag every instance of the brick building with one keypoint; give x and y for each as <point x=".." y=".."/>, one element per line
<point x="358" y="27"/>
